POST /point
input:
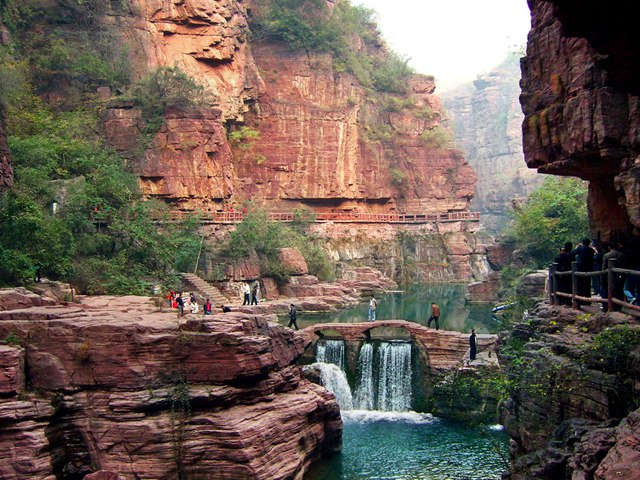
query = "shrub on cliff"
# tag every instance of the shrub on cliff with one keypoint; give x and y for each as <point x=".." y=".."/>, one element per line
<point x="553" y="214"/>
<point x="311" y="26"/>
<point x="256" y="233"/>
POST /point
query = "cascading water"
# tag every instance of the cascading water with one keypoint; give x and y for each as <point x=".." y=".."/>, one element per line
<point x="394" y="377"/>
<point x="331" y="351"/>
<point x="334" y="380"/>
<point x="364" y="398"/>
<point x="384" y="375"/>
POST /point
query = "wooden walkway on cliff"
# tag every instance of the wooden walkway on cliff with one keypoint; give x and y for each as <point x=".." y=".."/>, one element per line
<point x="228" y="217"/>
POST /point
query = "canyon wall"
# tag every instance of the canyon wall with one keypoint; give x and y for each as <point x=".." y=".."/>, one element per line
<point x="580" y="100"/>
<point x="324" y="140"/>
<point x="117" y="384"/>
<point x="487" y="121"/>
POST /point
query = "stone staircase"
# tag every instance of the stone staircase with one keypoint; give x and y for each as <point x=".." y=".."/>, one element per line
<point x="203" y="290"/>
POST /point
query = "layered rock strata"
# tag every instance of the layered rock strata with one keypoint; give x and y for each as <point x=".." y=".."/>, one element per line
<point x="323" y="140"/>
<point x="430" y="253"/>
<point x="487" y="121"/>
<point x="571" y="414"/>
<point x="116" y="384"/>
<point x="580" y="101"/>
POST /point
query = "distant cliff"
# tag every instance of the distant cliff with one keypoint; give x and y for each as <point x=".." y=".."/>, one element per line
<point x="487" y="119"/>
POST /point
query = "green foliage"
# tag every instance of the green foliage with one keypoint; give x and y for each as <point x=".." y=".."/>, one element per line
<point x="243" y="137"/>
<point x="103" y="237"/>
<point x="552" y="215"/>
<point x="311" y="26"/>
<point x="437" y="137"/>
<point x="12" y="339"/>
<point x="168" y="87"/>
<point x="611" y="349"/>
<point x="256" y="233"/>
<point x="398" y="177"/>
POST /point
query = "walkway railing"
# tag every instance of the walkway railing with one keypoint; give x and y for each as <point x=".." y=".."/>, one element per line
<point x="613" y="278"/>
<point x="348" y="217"/>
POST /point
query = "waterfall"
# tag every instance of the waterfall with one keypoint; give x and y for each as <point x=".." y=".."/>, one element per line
<point x="384" y="375"/>
<point x="384" y="381"/>
<point x="331" y="351"/>
<point x="364" y="393"/>
<point x="394" y="385"/>
<point x="333" y="379"/>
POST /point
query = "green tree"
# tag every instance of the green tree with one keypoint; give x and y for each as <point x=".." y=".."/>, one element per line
<point x="552" y="215"/>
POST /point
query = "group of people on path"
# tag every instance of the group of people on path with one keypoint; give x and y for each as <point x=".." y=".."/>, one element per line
<point x="186" y="302"/>
<point x="595" y="258"/>
<point x="250" y="295"/>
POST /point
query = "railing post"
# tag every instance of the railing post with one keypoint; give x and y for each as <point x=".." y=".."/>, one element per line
<point x="574" y="286"/>
<point x="552" y="283"/>
<point x="611" y="280"/>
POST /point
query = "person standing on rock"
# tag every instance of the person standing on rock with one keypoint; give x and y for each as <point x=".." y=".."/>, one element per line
<point x="254" y="296"/>
<point x="207" y="307"/>
<point x="246" y="291"/>
<point x="435" y="316"/>
<point x="180" y="302"/>
<point x="373" y="306"/>
<point x="473" y="345"/>
<point x="293" y="317"/>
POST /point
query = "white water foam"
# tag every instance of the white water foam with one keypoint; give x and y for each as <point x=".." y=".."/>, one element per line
<point x="372" y="416"/>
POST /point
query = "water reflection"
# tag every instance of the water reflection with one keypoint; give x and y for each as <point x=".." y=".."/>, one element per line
<point x="414" y="304"/>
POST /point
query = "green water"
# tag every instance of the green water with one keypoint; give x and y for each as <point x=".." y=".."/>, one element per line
<point x="388" y="445"/>
<point x="413" y="304"/>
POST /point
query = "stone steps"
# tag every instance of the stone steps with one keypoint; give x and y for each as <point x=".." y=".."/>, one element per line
<point x="204" y="289"/>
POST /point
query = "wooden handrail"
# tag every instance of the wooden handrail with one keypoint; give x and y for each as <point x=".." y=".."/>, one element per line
<point x="610" y="272"/>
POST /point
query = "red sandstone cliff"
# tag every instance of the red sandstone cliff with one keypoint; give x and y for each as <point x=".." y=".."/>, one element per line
<point x="581" y="105"/>
<point x="117" y="385"/>
<point x="315" y="125"/>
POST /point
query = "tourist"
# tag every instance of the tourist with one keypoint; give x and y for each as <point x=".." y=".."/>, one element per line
<point x="373" y="306"/>
<point x="246" y="292"/>
<point x="435" y="316"/>
<point x="563" y="261"/>
<point x="171" y="296"/>
<point x="180" y="303"/>
<point x="596" y="281"/>
<point x="254" y="296"/>
<point x="225" y="309"/>
<point x="632" y="262"/>
<point x="207" y="307"/>
<point x="617" y="258"/>
<point x="584" y="254"/>
<point x="473" y="345"/>
<point x="293" y="317"/>
<point x="194" y="305"/>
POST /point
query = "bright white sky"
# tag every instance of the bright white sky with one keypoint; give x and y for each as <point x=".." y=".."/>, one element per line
<point x="454" y="40"/>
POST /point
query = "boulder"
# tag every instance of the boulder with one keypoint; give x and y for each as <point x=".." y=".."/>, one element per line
<point x="293" y="262"/>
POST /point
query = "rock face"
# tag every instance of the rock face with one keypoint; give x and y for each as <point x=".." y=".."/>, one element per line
<point x="487" y="121"/>
<point x="564" y="413"/>
<point x="431" y="253"/>
<point x="124" y="387"/>
<point x="320" y="134"/>
<point x="580" y="99"/>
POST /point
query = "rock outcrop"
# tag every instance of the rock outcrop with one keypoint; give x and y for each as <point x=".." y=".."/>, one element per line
<point x="116" y="384"/>
<point x="580" y="99"/>
<point x="574" y="381"/>
<point x="487" y="121"/>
